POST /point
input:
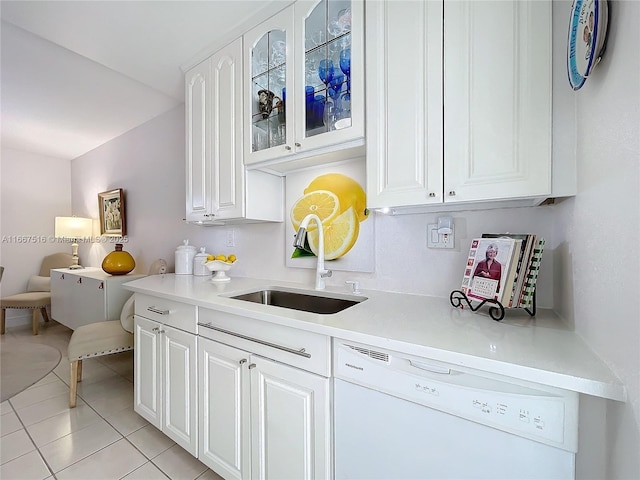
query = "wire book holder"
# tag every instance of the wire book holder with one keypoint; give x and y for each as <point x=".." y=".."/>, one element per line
<point x="496" y="310"/>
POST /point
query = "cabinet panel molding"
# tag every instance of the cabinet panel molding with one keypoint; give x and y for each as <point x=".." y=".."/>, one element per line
<point x="464" y="120"/>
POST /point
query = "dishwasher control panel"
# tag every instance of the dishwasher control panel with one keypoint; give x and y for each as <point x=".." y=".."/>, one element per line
<point x="538" y="412"/>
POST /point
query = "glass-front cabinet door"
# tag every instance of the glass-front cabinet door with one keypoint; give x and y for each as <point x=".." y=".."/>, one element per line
<point x="268" y="74"/>
<point x="329" y="72"/>
<point x="304" y="81"/>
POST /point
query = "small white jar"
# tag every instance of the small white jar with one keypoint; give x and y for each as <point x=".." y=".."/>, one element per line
<point x="184" y="258"/>
<point x="198" y="264"/>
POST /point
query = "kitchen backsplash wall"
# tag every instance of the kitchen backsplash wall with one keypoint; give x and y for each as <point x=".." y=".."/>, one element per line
<point x="148" y="163"/>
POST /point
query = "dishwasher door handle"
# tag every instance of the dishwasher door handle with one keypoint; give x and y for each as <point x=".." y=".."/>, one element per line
<point x="430" y="367"/>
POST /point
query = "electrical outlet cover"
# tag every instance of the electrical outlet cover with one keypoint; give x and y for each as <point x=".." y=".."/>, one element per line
<point x="436" y="240"/>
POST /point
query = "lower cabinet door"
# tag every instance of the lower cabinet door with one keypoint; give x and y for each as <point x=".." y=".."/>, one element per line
<point x="225" y="437"/>
<point x="165" y="381"/>
<point x="290" y="422"/>
<point x="146" y="371"/>
<point x="179" y="412"/>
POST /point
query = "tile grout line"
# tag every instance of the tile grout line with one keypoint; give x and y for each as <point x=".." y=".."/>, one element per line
<point x="59" y="375"/>
<point x="124" y="437"/>
<point x="36" y="448"/>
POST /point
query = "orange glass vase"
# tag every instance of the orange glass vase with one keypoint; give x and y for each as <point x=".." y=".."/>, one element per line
<point x="118" y="262"/>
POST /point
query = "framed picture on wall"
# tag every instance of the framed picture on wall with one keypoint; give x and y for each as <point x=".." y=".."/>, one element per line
<point x="112" y="214"/>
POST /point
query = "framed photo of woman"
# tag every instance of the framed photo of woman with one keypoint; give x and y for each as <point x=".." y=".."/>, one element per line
<point x="112" y="214"/>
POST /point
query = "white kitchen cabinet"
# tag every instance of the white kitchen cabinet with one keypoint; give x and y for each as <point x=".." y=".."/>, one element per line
<point x="165" y="369"/>
<point x="218" y="190"/>
<point x="198" y="141"/>
<point x="285" y="396"/>
<point x="260" y="418"/>
<point x="282" y="58"/>
<point x="458" y="102"/>
<point x="224" y="389"/>
<point x="80" y="297"/>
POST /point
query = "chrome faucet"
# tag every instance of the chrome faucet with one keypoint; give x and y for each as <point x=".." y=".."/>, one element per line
<point x="321" y="272"/>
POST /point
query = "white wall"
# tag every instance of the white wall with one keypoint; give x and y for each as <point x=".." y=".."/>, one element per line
<point x="597" y="278"/>
<point x="34" y="189"/>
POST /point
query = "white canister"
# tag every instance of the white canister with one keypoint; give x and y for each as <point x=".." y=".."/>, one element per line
<point x="198" y="264"/>
<point x="184" y="258"/>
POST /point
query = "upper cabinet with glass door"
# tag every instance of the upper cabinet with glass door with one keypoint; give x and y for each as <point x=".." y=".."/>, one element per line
<point x="268" y="59"/>
<point x="313" y="105"/>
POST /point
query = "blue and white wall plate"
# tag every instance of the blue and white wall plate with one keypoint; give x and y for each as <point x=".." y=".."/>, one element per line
<point x="587" y="34"/>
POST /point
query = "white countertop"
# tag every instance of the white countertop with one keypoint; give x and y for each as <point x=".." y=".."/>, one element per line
<point x="540" y="349"/>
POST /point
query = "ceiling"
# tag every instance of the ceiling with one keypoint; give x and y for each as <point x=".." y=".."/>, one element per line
<point x="76" y="74"/>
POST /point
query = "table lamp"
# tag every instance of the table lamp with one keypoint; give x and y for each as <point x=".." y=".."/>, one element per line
<point x="73" y="228"/>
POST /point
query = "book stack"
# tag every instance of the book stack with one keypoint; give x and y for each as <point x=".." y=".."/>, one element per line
<point x="503" y="267"/>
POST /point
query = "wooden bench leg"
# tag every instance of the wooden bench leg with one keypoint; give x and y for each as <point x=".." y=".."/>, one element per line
<point x="36" y="321"/>
<point x="74" y="377"/>
<point x="2" y="321"/>
<point x="43" y="310"/>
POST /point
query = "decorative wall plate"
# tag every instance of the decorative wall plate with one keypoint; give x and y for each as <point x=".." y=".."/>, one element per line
<point x="587" y="39"/>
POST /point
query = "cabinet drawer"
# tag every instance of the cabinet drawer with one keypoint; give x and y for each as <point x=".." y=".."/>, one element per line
<point x="168" y="312"/>
<point x="306" y="350"/>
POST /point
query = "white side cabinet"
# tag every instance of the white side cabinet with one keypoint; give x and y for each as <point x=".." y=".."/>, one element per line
<point x="260" y="418"/>
<point x="80" y="297"/>
<point x="217" y="186"/>
<point x="458" y="102"/>
<point x="165" y="368"/>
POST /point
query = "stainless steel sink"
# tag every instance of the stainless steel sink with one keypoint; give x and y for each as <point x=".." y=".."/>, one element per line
<point x="305" y="301"/>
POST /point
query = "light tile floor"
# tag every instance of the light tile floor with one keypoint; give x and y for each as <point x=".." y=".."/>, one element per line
<point x="102" y="438"/>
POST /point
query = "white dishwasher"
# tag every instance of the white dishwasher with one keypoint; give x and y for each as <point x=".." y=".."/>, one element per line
<point x="402" y="417"/>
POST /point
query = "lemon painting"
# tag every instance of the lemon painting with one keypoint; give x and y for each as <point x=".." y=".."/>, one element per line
<point x="340" y="203"/>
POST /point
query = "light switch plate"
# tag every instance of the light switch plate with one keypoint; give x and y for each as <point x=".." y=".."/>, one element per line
<point x="437" y="240"/>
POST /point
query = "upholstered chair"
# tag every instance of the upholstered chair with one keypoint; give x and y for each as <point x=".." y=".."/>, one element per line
<point x="98" y="339"/>
<point x="38" y="294"/>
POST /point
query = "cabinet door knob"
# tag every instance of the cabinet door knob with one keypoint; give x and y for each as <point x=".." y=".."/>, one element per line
<point x="452" y="193"/>
<point x="155" y="329"/>
<point x="253" y="365"/>
<point x="243" y="361"/>
<point x="101" y="286"/>
<point x="62" y="277"/>
<point x="160" y="331"/>
<point x="431" y="194"/>
<point x="79" y="280"/>
<point x="298" y="144"/>
<point x="287" y="147"/>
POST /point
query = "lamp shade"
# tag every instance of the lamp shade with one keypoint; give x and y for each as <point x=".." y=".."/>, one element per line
<point x="73" y="227"/>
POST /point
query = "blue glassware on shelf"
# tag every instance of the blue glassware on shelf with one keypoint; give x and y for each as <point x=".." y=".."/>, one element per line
<point x="335" y="86"/>
<point x="309" y="100"/>
<point x="345" y="62"/>
<point x="318" y="110"/>
<point x="284" y="103"/>
<point x="326" y="71"/>
<point x="345" y="98"/>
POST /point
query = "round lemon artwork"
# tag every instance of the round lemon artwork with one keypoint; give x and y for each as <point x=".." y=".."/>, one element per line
<point x="341" y="204"/>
